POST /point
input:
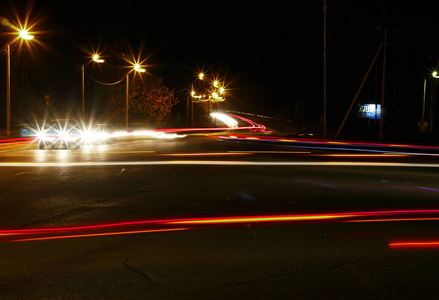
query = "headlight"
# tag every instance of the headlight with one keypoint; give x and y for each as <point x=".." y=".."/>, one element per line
<point x="41" y="134"/>
<point x="64" y="135"/>
<point x="90" y="136"/>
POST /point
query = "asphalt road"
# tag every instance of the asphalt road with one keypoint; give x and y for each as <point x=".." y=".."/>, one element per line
<point x="203" y="218"/>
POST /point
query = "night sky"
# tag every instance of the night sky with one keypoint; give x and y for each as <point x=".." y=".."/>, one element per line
<point x="270" y="54"/>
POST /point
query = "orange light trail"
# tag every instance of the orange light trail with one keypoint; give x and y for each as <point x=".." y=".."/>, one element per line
<point x="363" y="155"/>
<point x="393" y="220"/>
<point x="415" y="244"/>
<point x="175" y="224"/>
<point x="205" y="154"/>
<point x="96" y="234"/>
<point x="324" y="143"/>
<point x="238" y="220"/>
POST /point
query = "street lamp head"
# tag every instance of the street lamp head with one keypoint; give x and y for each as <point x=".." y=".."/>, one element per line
<point x="97" y="59"/>
<point x="138" y="68"/>
<point x="24" y="34"/>
<point x="201" y="76"/>
<point x="435" y="74"/>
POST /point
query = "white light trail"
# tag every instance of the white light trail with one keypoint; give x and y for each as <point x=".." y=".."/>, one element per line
<point x="230" y="122"/>
<point x="216" y="163"/>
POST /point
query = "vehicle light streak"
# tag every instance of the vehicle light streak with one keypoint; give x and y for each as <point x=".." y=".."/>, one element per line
<point x="393" y="220"/>
<point x="272" y="152"/>
<point x="230" y="122"/>
<point x="221" y="163"/>
<point x="261" y="219"/>
<point x="256" y="126"/>
<point x="175" y="224"/>
<point x="328" y="144"/>
<point x="206" y="154"/>
<point x="88" y="135"/>
<point x="96" y="234"/>
<point x="414" y="244"/>
<point x="13" y="140"/>
<point x="363" y="155"/>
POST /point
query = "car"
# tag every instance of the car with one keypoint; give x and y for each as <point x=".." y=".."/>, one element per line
<point x="60" y="133"/>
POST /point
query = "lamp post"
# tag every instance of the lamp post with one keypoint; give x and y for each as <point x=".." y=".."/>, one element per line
<point x="137" y="68"/>
<point x="422" y="125"/>
<point x="23" y="34"/>
<point x="214" y="93"/>
<point x="98" y="60"/>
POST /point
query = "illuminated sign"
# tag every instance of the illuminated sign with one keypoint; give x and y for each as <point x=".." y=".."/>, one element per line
<point x="370" y="111"/>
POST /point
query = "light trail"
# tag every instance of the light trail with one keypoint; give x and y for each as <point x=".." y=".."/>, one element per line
<point x="85" y="151"/>
<point x="221" y="163"/>
<point x="414" y="244"/>
<point x="331" y="144"/>
<point x="272" y="152"/>
<point x="96" y="234"/>
<point x="230" y="153"/>
<point x="393" y="220"/>
<point x="174" y="224"/>
<point x="362" y="155"/>
<point x="261" y="219"/>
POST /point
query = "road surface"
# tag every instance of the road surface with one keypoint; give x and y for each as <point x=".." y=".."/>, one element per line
<point x="217" y="218"/>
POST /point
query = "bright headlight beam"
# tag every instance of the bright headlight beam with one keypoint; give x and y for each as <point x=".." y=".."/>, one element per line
<point x="229" y="121"/>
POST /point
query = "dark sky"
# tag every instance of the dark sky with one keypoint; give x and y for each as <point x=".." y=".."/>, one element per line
<point x="269" y="53"/>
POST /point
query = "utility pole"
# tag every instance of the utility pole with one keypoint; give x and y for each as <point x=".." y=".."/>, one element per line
<point x="83" y="92"/>
<point x="127" y="89"/>
<point x="358" y="93"/>
<point x="382" y="86"/>
<point x="324" y="68"/>
<point x="8" y="91"/>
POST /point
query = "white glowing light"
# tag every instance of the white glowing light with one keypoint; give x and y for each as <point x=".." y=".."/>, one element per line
<point x="148" y="133"/>
<point x="138" y="68"/>
<point x="97" y="59"/>
<point x="230" y="122"/>
<point x="90" y="136"/>
<point x="24" y="34"/>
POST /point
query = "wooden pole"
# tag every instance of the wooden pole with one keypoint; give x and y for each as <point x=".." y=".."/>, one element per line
<point x="324" y="69"/>
<point x="358" y="92"/>
<point x="382" y="87"/>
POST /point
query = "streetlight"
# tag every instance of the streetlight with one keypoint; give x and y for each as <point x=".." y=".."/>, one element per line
<point x="136" y="68"/>
<point x="214" y="93"/>
<point x="424" y="124"/>
<point x="23" y="34"/>
<point x="98" y="60"/>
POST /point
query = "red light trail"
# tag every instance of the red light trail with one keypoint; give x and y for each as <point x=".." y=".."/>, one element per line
<point x="179" y="224"/>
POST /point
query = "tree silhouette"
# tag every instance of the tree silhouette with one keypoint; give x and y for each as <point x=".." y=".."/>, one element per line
<point x="150" y="102"/>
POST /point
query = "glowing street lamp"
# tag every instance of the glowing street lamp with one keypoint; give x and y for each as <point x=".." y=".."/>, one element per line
<point x="96" y="58"/>
<point x="23" y="34"/>
<point x="423" y="125"/>
<point x="137" y="68"/>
